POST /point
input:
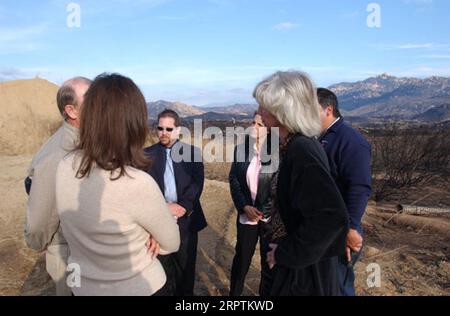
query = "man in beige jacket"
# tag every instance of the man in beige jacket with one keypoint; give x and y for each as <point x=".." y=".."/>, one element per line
<point x="42" y="227"/>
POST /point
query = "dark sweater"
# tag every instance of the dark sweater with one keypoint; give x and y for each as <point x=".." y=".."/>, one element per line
<point x="349" y="156"/>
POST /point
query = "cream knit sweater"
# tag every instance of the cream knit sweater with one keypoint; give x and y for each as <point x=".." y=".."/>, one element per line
<point x="107" y="224"/>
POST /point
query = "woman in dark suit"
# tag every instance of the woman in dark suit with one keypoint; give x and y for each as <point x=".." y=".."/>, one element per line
<point x="250" y="177"/>
<point x="309" y="224"/>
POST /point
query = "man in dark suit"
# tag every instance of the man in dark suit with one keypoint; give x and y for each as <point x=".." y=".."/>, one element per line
<point x="178" y="169"/>
<point x="349" y="156"/>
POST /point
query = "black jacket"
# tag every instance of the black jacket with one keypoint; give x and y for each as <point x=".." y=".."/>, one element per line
<point x="189" y="178"/>
<point x="315" y="218"/>
<point x="239" y="189"/>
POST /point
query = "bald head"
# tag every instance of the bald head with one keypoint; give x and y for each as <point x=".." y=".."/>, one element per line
<point x="70" y="98"/>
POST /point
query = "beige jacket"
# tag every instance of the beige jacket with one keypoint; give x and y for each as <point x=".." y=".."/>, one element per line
<point x="107" y="224"/>
<point x="42" y="222"/>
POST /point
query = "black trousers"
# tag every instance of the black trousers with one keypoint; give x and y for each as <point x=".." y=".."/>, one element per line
<point x="247" y="237"/>
<point x="180" y="267"/>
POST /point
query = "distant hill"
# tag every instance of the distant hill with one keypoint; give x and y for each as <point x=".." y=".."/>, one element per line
<point x="190" y="112"/>
<point x="214" y="116"/>
<point x="386" y="95"/>
<point x="183" y="110"/>
<point x="435" y="114"/>
<point x="382" y="97"/>
<point x="236" y="109"/>
<point x="28" y="115"/>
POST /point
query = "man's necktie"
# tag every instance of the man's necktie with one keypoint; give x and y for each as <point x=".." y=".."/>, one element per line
<point x="170" y="188"/>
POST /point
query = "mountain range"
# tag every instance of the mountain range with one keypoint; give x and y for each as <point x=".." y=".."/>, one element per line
<point x="381" y="97"/>
<point x="389" y="96"/>
<point x="189" y="112"/>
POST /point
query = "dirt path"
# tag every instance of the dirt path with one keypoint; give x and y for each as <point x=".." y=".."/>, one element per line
<point x="412" y="251"/>
<point x="413" y="254"/>
<point x="216" y="245"/>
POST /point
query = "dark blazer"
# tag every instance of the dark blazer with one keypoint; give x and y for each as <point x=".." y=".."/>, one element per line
<point x="239" y="189"/>
<point x="189" y="178"/>
<point x="315" y="219"/>
<point x="240" y="192"/>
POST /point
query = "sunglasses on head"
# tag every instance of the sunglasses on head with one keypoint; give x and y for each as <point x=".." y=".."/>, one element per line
<point x="168" y="129"/>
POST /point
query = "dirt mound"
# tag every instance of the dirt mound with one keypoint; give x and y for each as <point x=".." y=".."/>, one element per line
<point x="29" y="115"/>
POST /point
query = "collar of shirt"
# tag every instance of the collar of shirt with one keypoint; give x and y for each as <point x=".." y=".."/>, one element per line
<point x="333" y="124"/>
<point x="331" y="128"/>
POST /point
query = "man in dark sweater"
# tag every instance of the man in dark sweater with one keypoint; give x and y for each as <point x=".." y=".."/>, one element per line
<point x="349" y="156"/>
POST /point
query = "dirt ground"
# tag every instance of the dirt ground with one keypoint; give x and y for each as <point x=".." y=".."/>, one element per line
<point x="411" y="251"/>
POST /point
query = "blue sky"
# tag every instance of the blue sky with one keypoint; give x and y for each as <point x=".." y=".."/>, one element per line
<point x="215" y="51"/>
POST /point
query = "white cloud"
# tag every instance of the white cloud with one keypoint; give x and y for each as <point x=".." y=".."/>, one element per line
<point x="20" y="39"/>
<point x="10" y="73"/>
<point x="438" y="56"/>
<point x="422" y="6"/>
<point x="200" y="96"/>
<point x="411" y="46"/>
<point x="414" y="46"/>
<point x="285" y="26"/>
<point x="112" y="8"/>
<point x="422" y="72"/>
<point x="10" y="35"/>
<point x="147" y="3"/>
<point x="418" y="2"/>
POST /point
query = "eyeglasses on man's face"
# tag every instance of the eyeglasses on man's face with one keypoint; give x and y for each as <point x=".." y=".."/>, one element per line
<point x="167" y="129"/>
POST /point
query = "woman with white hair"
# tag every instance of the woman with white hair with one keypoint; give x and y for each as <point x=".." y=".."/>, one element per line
<point x="309" y="224"/>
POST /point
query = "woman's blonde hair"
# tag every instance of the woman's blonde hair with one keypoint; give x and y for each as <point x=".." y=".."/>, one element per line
<point x="292" y="98"/>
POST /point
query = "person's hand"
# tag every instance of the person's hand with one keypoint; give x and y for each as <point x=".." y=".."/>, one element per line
<point x="271" y="256"/>
<point x="354" y="243"/>
<point x="176" y="210"/>
<point x="153" y="247"/>
<point x="253" y="214"/>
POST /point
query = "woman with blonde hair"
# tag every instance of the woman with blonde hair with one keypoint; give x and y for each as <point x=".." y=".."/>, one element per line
<point x="309" y="225"/>
<point x="108" y="207"/>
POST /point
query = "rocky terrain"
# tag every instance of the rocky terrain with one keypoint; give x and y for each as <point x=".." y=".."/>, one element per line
<point x="389" y="96"/>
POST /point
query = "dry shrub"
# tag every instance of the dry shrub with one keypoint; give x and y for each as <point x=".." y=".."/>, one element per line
<point x="403" y="158"/>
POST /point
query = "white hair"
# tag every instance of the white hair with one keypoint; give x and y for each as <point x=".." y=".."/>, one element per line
<point x="292" y="98"/>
